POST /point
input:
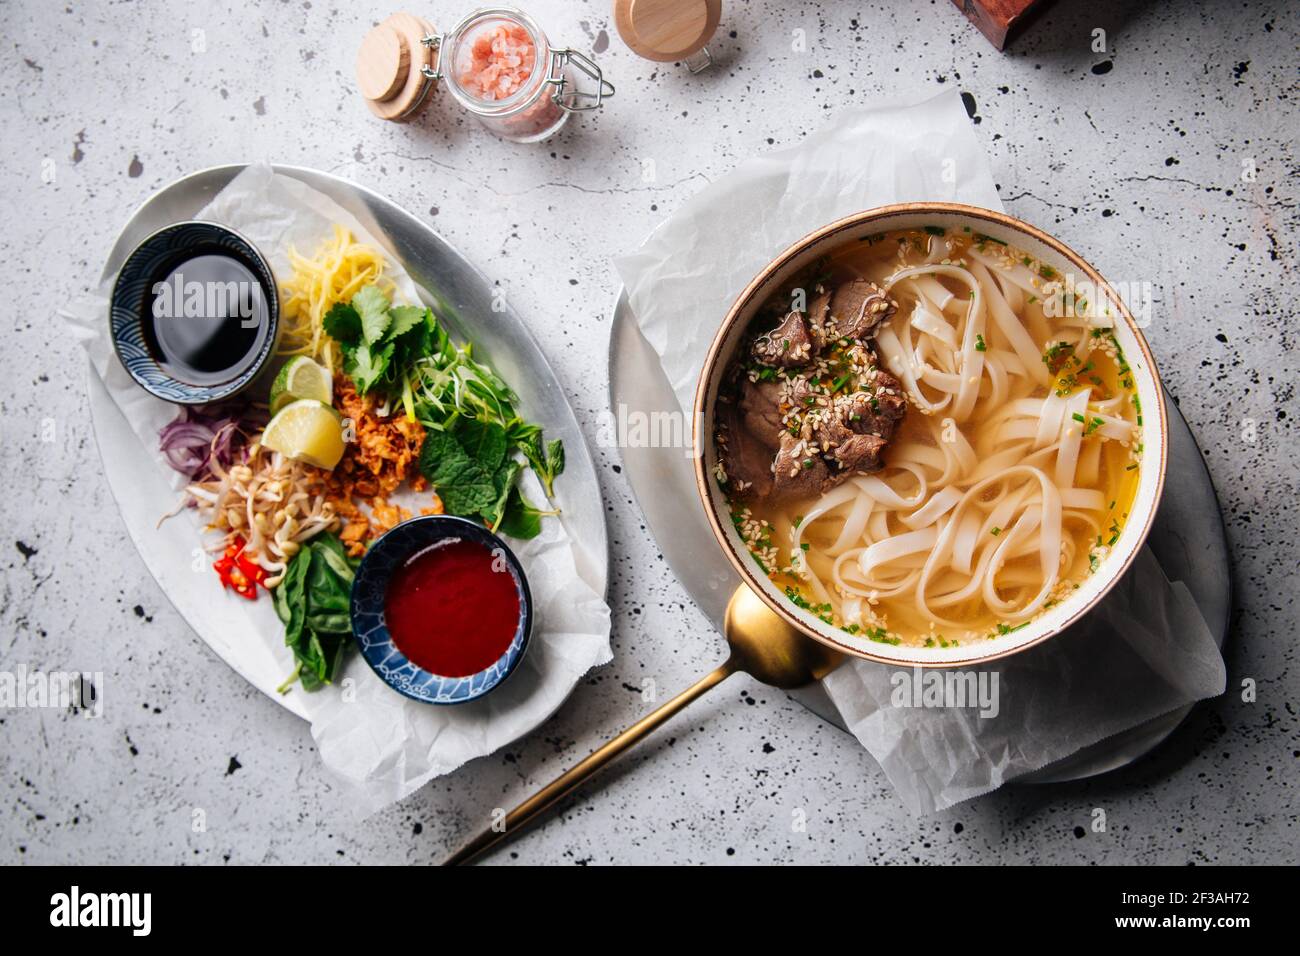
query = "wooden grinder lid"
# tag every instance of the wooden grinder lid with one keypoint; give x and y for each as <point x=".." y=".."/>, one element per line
<point x="389" y="66"/>
<point x="667" y="30"/>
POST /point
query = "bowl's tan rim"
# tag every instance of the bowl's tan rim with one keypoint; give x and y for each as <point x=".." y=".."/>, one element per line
<point x="706" y="490"/>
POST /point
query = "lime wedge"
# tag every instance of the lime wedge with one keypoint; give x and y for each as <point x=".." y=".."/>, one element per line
<point x="308" y="431"/>
<point x="300" y="377"/>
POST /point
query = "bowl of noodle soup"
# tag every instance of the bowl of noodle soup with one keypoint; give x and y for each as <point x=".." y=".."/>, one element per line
<point x="930" y="434"/>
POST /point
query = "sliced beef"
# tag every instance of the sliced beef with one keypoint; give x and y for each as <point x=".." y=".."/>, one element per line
<point x="827" y="431"/>
<point x="798" y="474"/>
<point x="787" y="346"/>
<point x="859" y="455"/>
<point x="746" y="461"/>
<point x="877" y="412"/>
<point x="819" y="313"/>
<point x="785" y="438"/>
<point x="857" y="307"/>
<point x="799" y="393"/>
<point x="760" y="411"/>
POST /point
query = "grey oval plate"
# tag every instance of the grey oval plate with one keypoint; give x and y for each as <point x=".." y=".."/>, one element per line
<point x="1187" y="537"/>
<point x="460" y="294"/>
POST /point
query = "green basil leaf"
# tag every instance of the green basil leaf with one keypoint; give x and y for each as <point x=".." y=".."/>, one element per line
<point x="337" y="562"/>
<point x="330" y="623"/>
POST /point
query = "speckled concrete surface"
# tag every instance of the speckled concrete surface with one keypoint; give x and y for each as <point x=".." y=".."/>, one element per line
<point x="1134" y="155"/>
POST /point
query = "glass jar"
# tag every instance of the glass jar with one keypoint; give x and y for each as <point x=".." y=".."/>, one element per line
<point x="499" y="65"/>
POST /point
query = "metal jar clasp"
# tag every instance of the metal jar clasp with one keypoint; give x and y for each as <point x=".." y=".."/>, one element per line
<point x="577" y="100"/>
<point x="434" y="42"/>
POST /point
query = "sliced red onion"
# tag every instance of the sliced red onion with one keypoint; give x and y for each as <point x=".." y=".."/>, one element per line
<point x="196" y="435"/>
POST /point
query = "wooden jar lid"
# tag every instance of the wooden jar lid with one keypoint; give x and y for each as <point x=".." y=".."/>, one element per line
<point x="667" y="30"/>
<point x="389" y="66"/>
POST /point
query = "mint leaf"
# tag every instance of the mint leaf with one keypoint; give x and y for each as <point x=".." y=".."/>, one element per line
<point x="463" y="484"/>
<point x="372" y="306"/>
<point x="555" y="463"/>
<point x="546" y="459"/>
<point x="503" y="481"/>
<point x="485" y="442"/>
<point x="342" y="322"/>
<point x="521" y="519"/>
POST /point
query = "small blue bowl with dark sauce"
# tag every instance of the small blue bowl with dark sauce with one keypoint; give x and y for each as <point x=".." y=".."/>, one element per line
<point x="441" y="610"/>
<point x="194" y="314"/>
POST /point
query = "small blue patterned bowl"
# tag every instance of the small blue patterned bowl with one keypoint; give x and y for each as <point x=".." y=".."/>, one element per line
<point x="376" y="645"/>
<point x="131" y="302"/>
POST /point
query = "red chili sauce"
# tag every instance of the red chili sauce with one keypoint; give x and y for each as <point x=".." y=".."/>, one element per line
<point x="452" y="609"/>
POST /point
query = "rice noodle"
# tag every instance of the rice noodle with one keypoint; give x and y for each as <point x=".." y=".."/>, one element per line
<point x="1009" y="474"/>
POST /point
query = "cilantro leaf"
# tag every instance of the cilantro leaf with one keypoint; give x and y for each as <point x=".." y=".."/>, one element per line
<point x="372" y="305"/>
<point x="342" y="322"/>
<point x="366" y="367"/>
<point x="404" y="318"/>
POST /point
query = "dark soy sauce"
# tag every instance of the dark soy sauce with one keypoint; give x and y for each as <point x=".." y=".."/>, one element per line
<point x="206" y="318"/>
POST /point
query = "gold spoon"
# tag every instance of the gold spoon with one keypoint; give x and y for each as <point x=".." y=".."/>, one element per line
<point x="763" y="645"/>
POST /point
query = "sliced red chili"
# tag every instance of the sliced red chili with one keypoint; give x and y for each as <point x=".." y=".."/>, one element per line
<point x="238" y="572"/>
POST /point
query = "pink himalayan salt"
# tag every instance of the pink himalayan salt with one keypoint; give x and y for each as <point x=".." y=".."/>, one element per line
<point x="501" y="61"/>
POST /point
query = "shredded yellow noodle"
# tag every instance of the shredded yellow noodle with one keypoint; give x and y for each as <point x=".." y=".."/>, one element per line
<point x="339" y="268"/>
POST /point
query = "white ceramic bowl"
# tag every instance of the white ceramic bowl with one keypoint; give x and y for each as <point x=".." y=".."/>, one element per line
<point x="1037" y="243"/>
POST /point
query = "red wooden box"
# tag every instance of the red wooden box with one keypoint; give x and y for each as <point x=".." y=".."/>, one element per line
<point x="997" y="19"/>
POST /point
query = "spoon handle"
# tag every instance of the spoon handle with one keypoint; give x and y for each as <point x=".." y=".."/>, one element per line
<point x="569" y="781"/>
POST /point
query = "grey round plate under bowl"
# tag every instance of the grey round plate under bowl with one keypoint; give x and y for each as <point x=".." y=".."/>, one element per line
<point x="460" y="294"/>
<point x="1187" y="537"/>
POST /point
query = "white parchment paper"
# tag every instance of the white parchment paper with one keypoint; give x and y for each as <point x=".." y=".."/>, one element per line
<point x="381" y="744"/>
<point x="1129" y="661"/>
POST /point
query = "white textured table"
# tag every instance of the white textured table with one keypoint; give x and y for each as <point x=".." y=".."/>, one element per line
<point x="1134" y="156"/>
